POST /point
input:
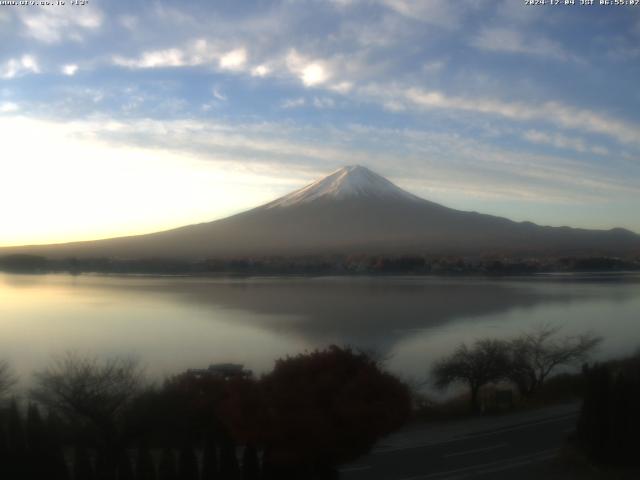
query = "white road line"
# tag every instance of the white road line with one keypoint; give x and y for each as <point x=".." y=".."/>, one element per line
<point x="477" y="450"/>
<point x="489" y="467"/>
<point x="472" y="436"/>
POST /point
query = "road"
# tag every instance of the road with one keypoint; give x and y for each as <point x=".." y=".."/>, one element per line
<point x="509" y="449"/>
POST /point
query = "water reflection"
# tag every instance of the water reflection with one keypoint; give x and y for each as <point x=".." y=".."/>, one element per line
<point x="175" y="323"/>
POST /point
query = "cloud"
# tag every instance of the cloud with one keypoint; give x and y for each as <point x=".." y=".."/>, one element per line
<point x="233" y="60"/>
<point x="294" y="103"/>
<point x="443" y="13"/>
<point x="195" y="53"/>
<point x="433" y="67"/>
<point x="341" y="87"/>
<point x="17" y="67"/>
<point x="130" y="22"/>
<point x="323" y="102"/>
<point x="507" y="40"/>
<point x="553" y="112"/>
<point x="472" y="167"/>
<point x="218" y="94"/>
<point x="472" y="170"/>
<point x="317" y="102"/>
<point x="343" y="3"/>
<point x="310" y="72"/>
<point x="52" y="25"/>
<point x="70" y="69"/>
<point x="314" y="74"/>
<point x="561" y="141"/>
<point x="171" y="57"/>
<point x="9" y="107"/>
<point x="260" y="71"/>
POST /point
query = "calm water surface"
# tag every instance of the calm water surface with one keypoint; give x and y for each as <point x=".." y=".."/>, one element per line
<point x="176" y="323"/>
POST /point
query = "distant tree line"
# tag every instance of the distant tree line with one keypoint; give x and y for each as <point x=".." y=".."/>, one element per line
<point x="312" y="413"/>
<point x="323" y="265"/>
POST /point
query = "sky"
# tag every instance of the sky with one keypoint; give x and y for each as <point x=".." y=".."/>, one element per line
<point x="125" y="117"/>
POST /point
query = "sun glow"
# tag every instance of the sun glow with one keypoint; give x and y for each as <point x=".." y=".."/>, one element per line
<point x="59" y="184"/>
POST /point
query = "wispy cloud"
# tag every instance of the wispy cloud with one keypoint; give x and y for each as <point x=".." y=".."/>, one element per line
<point x="17" y="67"/>
<point x="473" y="168"/>
<point x="508" y="40"/>
<point x="564" y="142"/>
<point x="553" y="112"/>
<point x="462" y="95"/>
<point x="234" y="60"/>
<point x="69" y="69"/>
<point x="9" y="107"/>
<point x="194" y="53"/>
<point x="311" y="72"/>
<point x="294" y="102"/>
<point x="218" y="95"/>
<point x="52" y="25"/>
<point x="437" y="12"/>
<point x="260" y="71"/>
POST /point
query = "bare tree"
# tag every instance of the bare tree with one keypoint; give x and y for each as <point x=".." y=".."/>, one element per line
<point x="536" y="354"/>
<point x="485" y="362"/>
<point x="7" y="379"/>
<point x="78" y="386"/>
<point x="91" y="391"/>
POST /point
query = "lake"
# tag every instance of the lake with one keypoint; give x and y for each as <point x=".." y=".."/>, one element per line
<point x="175" y="323"/>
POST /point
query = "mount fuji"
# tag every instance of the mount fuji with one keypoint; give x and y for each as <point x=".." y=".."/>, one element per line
<point x="352" y="210"/>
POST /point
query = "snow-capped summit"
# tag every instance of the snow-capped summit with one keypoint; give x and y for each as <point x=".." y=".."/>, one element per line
<point x="347" y="182"/>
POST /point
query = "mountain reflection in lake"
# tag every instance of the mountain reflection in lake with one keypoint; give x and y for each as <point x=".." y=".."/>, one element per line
<point x="176" y="323"/>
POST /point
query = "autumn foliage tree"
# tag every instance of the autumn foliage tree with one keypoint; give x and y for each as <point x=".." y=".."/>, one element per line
<point x="198" y="406"/>
<point x="328" y="407"/>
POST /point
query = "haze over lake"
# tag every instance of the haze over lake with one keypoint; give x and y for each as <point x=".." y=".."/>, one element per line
<point x="174" y="323"/>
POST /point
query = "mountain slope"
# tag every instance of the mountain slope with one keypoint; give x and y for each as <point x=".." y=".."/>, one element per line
<point x="353" y="210"/>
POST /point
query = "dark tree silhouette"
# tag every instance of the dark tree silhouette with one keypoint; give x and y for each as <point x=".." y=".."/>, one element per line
<point x="125" y="471"/>
<point x="210" y="467"/>
<point x="229" y="468"/>
<point x="89" y="391"/>
<point x="88" y="388"/>
<point x="36" y="430"/>
<point x="197" y="404"/>
<point x="609" y="420"/>
<point x="250" y="463"/>
<point x="16" y="430"/>
<point x="534" y="355"/>
<point x="39" y="445"/>
<point x="106" y="465"/>
<point x="4" y="454"/>
<point x="328" y="407"/>
<point x="17" y="462"/>
<point x="7" y="379"/>
<point x="167" y="469"/>
<point x="485" y="362"/>
<point x="145" y="468"/>
<point x="82" y="466"/>
<point x="188" y="463"/>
